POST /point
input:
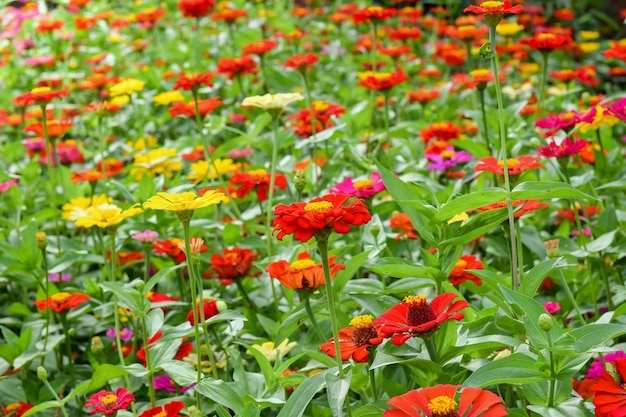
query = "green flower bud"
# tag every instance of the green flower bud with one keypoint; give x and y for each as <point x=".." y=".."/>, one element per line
<point x="545" y="322"/>
<point x="221" y="306"/>
<point x="375" y="229"/>
<point x="42" y="374"/>
<point x="96" y="345"/>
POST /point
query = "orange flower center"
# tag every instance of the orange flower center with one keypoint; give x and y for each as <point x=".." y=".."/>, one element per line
<point x="107" y="401"/>
<point x="461" y="264"/>
<point x="13" y="407"/>
<point x="447" y="154"/>
<point x="510" y="163"/>
<point x="258" y="174"/>
<point x="544" y="36"/>
<point x="442" y="406"/>
<point x="319" y="206"/>
<point x="492" y="5"/>
<point x="161" y="414"/>
<point x="60" y="297"/>
<point x="301" y="264"/>
<point x="419" y="312"/>
<point x="365" y="184"/>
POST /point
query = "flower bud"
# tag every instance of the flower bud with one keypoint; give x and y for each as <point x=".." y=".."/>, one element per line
<point x="42" y="374"/>
<point x="42" y="240"/>
<point x="194" y="412"/>
<point x="221" y="306"/>
<point x="300" y="181"/>
<point x="375" y="229"/>
<point x="545" y="322"/>
<point x="552" y="248"/>
<point x="535" y="143"/>
<point x="96" y="345"/>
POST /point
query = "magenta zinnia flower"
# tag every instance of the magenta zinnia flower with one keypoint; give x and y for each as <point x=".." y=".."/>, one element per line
<point x="164" y="382"/>
<point x="448" y="158"/>
<point x="554" y="122"/>
<point x="361" y="189"/>
<point x="565" y="149"/>
<point x="617" y="109"/>
<point x="108" y="402"/>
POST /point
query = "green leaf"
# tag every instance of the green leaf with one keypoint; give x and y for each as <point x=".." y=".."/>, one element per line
<point x="40" y="407"/>
<point x="476" y="226"/>
<point x="154" y="280"/>
<point x="588" y="337"/>
<point x="515" y="369"/>
<point x="573" y="407"/>
<point x="154" y="321"/>
<point x="351" y="268"/>
<point x="232" y="234"/>
<point x="302" y="396"/>
<point x="337" y="389"/>
<point x="400" y="268"/>
<point x="468" y="202"/>
<point x="547" y="189"/>
<point x="475" y="344"/>
<point x="374" y="303"/>
<point x="103" y="374"/>
<point x="222" y="393"/>
<point x="264" y="364"/>
<point x="128" y="296"/>
<point x="533" y="279"/>
<point x="182" y="373"/>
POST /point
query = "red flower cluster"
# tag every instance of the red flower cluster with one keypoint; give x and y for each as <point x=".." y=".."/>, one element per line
<point x="232" y="67"/>
<point x="415" y="317"/>
<point x="258" y="179"/>
<point x="443" y="131"/>
<point x="260" y="47"/>
<point x="320" y="215"/>
<point x="322" y="112"/>
<point x="41" y="96"/>
<point x="494" y="7"/>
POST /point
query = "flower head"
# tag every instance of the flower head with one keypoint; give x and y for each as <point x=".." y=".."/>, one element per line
<point x="546" y="42"/>
<point x="185" y="201"/>
<point x="402" y="222"/>
<point x="459" y="273"/>
<point x="108" y="402"/>
<point x="416" y="317"/>
<point x="166" y="383"/>
<point x="196" y="8"/>
<point x="39" y="95"/>
<point x="258" y="179"/>
<point x="168" y="410"/>
<point x="147" y="236"/>
<point x="354" y="340"/>
<point x="320" y="215"/>
<point x="62" y="301"/>
<point x="234" y="263"/>
<point x="381" y="80"/>
<point x="302" y="274"/>
<point x="597" y="366"/>
<point x="362" y="189"/>
<point x="515" y="166"/>
<point x="272" y="103"/>
<point x="271" y="351"/>
<point x="610" y="394"/>
<point x="106" y="216"/>
<point x="446" y="401"/>
<point x="565" y="149"/>
<point x="16" y="409"/>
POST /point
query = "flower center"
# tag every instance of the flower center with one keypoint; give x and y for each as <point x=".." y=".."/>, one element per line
<point x="41" y="90"/>
<point x="419" y="312"/>
<point x="442" y="406"/>
<point x="61" y="297"/>
<point x="461" y="264"/>
<point x="365" y="184"/>
<point x="301" y="264"/>
<point x="511" y="162"/>
<point x="161" y="414"/>
<point x="108" y="401"/>
<point x="361" y="322"/>
<point x="319" y="206"/>
<point x="258" y="173"/>
<point x="363" y="330"/>
<point x="543" y="36"/>
<point x="447" y="154"/>
<point x="320" y="105"/>
<point x="492" y="5"/>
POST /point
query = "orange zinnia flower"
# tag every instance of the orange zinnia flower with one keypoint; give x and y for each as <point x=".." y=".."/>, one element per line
<point x="546" y="42"/>
<point x="205" y="107"/>
<point x="319" y="217"/>
<point x="303" y="273"/>
<point x="56" y="128"/>
<point x="62" y="301"/>
<point x="232" y="67"/>
<point x="302" y="62"/>
<point x="235" y="263"/>
<point x="194" y="81"/>
<point x="515" y="166"/>
<point x="459" y="273"/>
<point x="41" y="96"/>
<point x="260" y="47"/>
<point x="354" y="341"/>
<point x="375" y="13"/>
<point x="521" y="206"/>
<point x="381" y="80"/>
<point x="259" y="179"/>
<point x="402" y="222"/>
<point x="494" y="7"/>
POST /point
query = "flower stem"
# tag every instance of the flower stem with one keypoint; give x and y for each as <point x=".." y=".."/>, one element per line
<point x="552" y="382"/>
<point x="386" y="119"/>
<point x="194" y="308"/>
<point x="68" y="346"/>
<point x="322" y="244"/>
<point x="481" y="95"/>
<point x="503" y="150"/>
<point x="146" y="342"/>
<point x="56" y="397"/>
<point x="47" y="291"/>
<point x="542" y="85"/>
<point x="309" y="312"/>
<point x="52" y="173"/>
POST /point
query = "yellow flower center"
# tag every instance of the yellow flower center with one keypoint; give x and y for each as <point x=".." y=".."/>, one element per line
<point x="543" y="36"/>
<point x="60" y="297"/>
<point x="13" y="407"/>
<point x="363" y="321"/>
<point x="365" y="184"/>
<point x="302" y="264"/>
<point x="442" y="406"/>
<point x="511" y="162"/>
<point x="479" y="73"/>
<point x="161" y="414"/>
<point x="319" y="206"/>
<point x="374" y="9"/>
<point x="41" y="90"/>
<point x="320" y="105"/>
<point x="108" y="400"/>
<point x="414" y="299"/>
<point x="461" y="264"/>
<point x="447" y="154"/>
<point x="492" y="5"/>
<point x="258" y="173"/>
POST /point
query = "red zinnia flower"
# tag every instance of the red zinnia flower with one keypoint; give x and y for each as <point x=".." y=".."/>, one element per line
<point x="259" y="179"/>
<point x="260" y="47"/>
<point x="303" y="273"/>
<point x="62" y="301"/>
<point x="515" y="166"/>
<point x="565" y="149"/>
<point x="194" y="81"/>
<point x="423" y="96"/>
<point x="354" y="341"/>
<point x="415" y="317"/>
<point x="376" y="13"/>
<point x="441" y="131"/>
<point x="322" y="214"/>
<point x="521" y="206"/>
<point x="610" y="398"/>
<point x="459" y="273"/>
<point x="16" y="409"/>
<point x="56" y="128"/>
<point x="183" y="350"/>
<point x="546" y="41"/>
<point x="108" y="402"/>
<point x="196" y="8"/>
<point x="235" y="263"/>
<point x="494" y="7"/>
<point x="381" y="80"/>
<point x="402" y="222"/>
<point x="41" y="96"/>
<point x="210" y="309"/>
<point x="445" y="400"/>
<point x="229" y="15"/>
<point x="232" y="67"/>
<point x="205" y="107"/>
<point x="168" y="410"/>
<point x="302" y="62"/>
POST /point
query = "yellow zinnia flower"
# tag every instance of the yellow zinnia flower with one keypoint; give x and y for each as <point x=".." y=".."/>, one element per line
<point x="508" y="28"/>
<point x="186" y="201"/>
<point x="589" y="47"/>
<point x="168" y="97"/>
<point x="77" y="207"/>
<point x="156" y="162"/>
<point x="271" y="351"/>
<point x="127" y="86"/>
<point x="200" y="169"/>
<point x="106" y="216"/>
<point x="589" y="35"/>
<point x="272" y="103"/>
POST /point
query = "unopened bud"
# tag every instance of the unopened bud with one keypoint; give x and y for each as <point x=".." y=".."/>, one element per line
<point x="96" y="345"/>
<point x="535" y="143"/>
<point x="552" y="248"/>
<point x="300" y="181"/>
<point x="42" y="374"/>
<point x="375" y="229"/>
<point x="42" y="240"/>
<point x="194" y="412"/>
<point x="545" y="322"/>
<point x="221" y="306"/>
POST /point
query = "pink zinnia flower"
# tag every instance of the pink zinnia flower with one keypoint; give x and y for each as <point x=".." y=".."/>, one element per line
<point x="448" y="158"/>
<point x="56" y="277"/>
<point x="6" y="186"/>
<point x="361" y="189"/>
<point x="596" y="368"/>
<point x="147" y="236"/>
<point x="125" y="334"/>
<point x="565" y="149"/>
<point x="554" y="122"/>
<point x="552" y="307"/>
<point x="164" y="382"/>
<point x="617" y="109"/>
<point x="108" y="402"/>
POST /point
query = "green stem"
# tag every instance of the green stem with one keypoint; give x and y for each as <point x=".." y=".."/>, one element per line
<point x="56" y="397"/>
<point x="47" y="291"/>
<point x="542" y="85"/>
<point x="386" y="119"/>
<point x="52" y="174"/>
<point x="68" y="346"/>
<point x="309" y="312"/>
<point x="146" y="342"/>
<point x="503" y="150"/>
<point x="194" y="308"/>
<point x="552" y="383"/>
<point x="147" y="251"/>
<point x="605" y="280"/>
<point x="571" y="297"/>
<point x="322" y="244"/>
<point x="309" y="104"/>
<point x="481" y="95"/>
<point x="520" y="251"/>
<point x="270" y="197"/>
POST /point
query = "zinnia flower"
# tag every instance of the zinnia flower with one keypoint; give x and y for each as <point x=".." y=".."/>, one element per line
<point x="302" y="62"/>
<point x="402" y="222"/>
<point x="183" y="350"/>
<point x="168" y="410"/>
<point x="381" y="80"/>
<point x="39" y="95"/>
<point x="494" y="7"/>
<point x="320" y="216"/>
<point x="272" y="102"/>
<point x="565" y="149"/>
<point x="186" y="201"/>
<point x="459" y="273"/>
<point x="62" y="301"/>
<point x="303" y="273"/>
<point x="235" y="263"/>
<point x="546" y="42"/>
<point x="108" y="402"/>
<point x="106" y="216"/>
<point x="259" y="179"/>
<point x="354" y="340"/>
<point x="166" y="383"/>
<point x="16" y="409"/>
<point x="515" y="166"/>
<point x="210" y="308"/>
<point x="196" y="8"/>
<point x="361" y="189"/>
<point x="415" y="317"/>
<point x="610" y="394"/>
<point x="597" y="366"/>
<point x="446" y="401"/>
